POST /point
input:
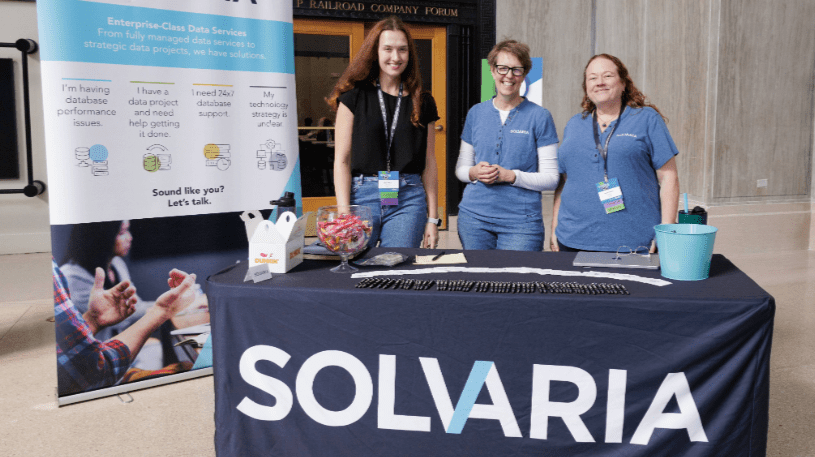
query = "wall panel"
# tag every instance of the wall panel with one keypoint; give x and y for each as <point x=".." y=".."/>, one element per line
<point x="622" y="32"/>
<point x="764" y="111"/>
<point x="560" y="33"/>
<point x="676" y="73"/>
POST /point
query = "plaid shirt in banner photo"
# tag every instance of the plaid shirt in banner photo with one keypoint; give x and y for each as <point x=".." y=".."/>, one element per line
<point x="83" y="362"/>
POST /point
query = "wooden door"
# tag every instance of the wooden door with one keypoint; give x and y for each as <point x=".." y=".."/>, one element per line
<point x="431" y="43"/>
<point x="323" y="49"/>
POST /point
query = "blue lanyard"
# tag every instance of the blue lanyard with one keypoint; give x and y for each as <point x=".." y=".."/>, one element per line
<point x="604" y="149"/>
<point x="389" y="134"/>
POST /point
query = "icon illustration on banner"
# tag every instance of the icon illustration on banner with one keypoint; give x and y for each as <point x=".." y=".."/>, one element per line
<point x="95" y="157"/>
<point x="218" y="155"/>
<point x="271" y="154"/>
<point x="155" y="160"/>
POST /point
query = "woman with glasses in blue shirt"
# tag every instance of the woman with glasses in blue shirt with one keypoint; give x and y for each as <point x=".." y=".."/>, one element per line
<point x="508" y="156"/>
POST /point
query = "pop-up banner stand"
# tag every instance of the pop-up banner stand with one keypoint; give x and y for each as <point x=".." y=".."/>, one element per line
<point x="164" y="122"/>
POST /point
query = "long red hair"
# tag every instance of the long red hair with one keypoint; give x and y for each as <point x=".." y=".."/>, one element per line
<point x="631" y="95"/>
<point x="365" y="67"/>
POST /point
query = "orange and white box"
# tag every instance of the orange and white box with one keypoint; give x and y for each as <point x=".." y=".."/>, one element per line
<point x="279" y="245"/>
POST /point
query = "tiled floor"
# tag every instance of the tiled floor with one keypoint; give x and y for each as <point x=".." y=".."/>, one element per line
<point x="177" y="419"/>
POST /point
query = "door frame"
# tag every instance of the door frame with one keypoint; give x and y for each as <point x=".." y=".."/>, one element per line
<point x="437" y="34"/>
<point x="438" y="38"/>
<point x="356" y="33"/>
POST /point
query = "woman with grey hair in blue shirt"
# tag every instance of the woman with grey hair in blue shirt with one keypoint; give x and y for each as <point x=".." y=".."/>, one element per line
<point x="508" y="156"/>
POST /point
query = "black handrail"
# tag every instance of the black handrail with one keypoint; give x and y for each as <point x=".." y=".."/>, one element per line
<point x="34" y="187"/>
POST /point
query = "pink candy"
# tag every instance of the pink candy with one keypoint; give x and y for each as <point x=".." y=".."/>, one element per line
<point x="347" y="233"/>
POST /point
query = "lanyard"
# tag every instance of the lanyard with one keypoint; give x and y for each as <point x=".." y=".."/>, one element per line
<point x="389" y="134"/>
<point x="604" y="149"/>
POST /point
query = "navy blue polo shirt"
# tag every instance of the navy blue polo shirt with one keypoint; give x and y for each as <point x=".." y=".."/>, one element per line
<point x="640" y="145"/>
<point x="514" y="146"/>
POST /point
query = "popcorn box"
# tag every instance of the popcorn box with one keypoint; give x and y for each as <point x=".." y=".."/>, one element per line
<point x="279" y="245"/>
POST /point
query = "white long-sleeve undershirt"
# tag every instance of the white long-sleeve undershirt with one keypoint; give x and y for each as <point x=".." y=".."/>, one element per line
<point x="546" y="178"/>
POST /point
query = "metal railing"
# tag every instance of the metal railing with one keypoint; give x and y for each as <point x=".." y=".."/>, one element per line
<point x="34" y="187"/>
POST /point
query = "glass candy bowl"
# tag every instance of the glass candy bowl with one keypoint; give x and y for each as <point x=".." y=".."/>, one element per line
<point x="344" y="230"/>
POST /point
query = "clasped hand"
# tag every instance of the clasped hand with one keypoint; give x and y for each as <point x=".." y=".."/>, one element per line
<point x="489" y="173"/>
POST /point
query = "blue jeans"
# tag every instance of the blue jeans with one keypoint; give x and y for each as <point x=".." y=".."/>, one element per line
<point x="478" y="234"/>
<point x="394" y="226"/>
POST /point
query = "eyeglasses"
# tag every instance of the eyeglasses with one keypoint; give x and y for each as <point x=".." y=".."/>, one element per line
<point x="503" y="69"/>
<point x="625" y="250"/>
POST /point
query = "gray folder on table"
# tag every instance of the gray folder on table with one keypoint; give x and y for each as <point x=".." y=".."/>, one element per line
<point x="614" y="260"/>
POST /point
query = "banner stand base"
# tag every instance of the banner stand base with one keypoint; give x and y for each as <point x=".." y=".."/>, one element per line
<point x="133" y="386"/>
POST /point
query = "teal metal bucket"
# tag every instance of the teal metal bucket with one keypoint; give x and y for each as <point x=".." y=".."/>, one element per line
<point x="685" y="250"/>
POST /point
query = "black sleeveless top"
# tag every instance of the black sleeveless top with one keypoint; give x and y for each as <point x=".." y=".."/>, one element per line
<point x="368" y="141"/>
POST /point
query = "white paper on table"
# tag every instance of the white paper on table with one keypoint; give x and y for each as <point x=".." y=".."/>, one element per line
<point x="445" y="259"/>
<point x="258" y="273"/>
<point x="527" y="270"/>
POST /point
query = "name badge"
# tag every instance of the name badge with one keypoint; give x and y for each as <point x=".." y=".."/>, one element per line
<point x="611" y="195"/>
<point x="388" y="188"/>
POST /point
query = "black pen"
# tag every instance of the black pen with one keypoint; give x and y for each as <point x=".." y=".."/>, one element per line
<point x="437" y="256"/>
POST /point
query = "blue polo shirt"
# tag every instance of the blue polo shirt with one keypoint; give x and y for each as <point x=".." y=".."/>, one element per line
<point x="514" y="146"/>
<point x="641" y="144"/>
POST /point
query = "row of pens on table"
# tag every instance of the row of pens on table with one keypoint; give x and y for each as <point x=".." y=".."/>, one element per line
<point x="463" y="285"/>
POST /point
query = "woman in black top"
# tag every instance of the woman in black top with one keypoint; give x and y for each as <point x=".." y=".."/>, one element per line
<point x="384" y="80"/>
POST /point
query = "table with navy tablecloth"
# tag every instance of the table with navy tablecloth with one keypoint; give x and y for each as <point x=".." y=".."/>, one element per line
<point x="307" y="364"/>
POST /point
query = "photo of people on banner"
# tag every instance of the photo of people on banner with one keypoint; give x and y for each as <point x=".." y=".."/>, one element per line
<point x="123" y="317"/>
